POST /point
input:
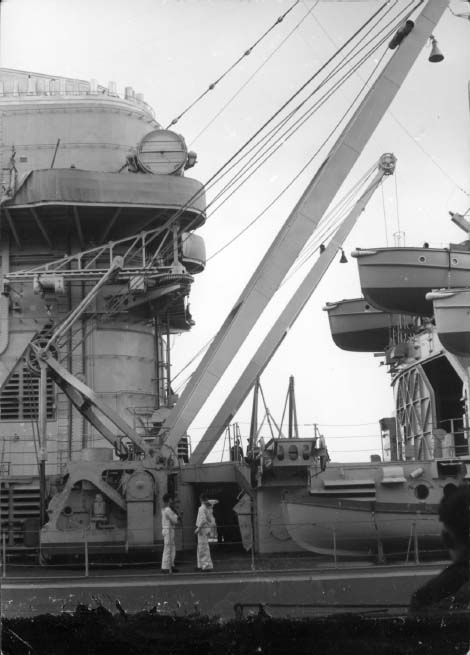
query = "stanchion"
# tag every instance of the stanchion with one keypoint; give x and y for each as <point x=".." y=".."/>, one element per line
<point x="85" y="543"/>
<point x="410" y="539"/>
<point x="416" y="544"/>
<point x="334" y="545"/>
<point x="413" y="539"/>
<point x="4" y="555"/>
<point x="253" y="565"/>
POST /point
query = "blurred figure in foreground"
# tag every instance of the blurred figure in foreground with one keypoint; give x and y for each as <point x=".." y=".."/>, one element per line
<point x="449" y="589"/>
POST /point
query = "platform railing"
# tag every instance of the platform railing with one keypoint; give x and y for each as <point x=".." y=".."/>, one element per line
<point x="419" y="542"/>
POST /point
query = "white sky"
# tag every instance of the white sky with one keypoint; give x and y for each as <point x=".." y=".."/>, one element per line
<point x="171" y="50"/>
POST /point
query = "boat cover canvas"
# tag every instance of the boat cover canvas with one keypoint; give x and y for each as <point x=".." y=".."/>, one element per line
<point x="92" y="188"/>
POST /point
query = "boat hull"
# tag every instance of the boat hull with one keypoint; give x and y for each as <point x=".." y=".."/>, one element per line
<point x="359" y="528"/>
<point x="397" y="279"/>
<point x="359" y="509"/>
<point x="452" y="315"/>
<point x="357" y="326"/>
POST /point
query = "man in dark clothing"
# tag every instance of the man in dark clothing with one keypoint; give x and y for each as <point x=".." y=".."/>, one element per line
<point x="440" y="591"/>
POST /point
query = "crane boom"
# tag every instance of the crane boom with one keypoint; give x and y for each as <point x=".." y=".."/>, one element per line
<point x="286" y="319"/>
<point x="300" y="224"/>
<point x="95" y="410"/>
<point x="81" y="396"/>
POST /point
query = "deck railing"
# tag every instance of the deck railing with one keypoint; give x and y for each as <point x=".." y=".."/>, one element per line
<point x="419" y="541"/>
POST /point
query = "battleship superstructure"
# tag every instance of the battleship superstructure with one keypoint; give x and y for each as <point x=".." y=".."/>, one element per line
<point x="83" y="168"/>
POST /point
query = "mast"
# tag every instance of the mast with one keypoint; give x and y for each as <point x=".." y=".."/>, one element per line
<point x="254" y="419"/>
<point x="293" y="425"/>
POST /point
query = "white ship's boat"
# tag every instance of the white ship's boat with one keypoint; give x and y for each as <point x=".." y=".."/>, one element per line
<point x="397" y="280"/>
<point x="452" y="315"/>
<point x="357" y="326"/>
<point x="354" y="510"/>
<point x="390" y="506"/>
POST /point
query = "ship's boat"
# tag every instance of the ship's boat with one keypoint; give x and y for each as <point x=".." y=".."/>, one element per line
<point x="397" y="280"/>
<point x="451" y="313"/>
<point x="357" y="326"/>
<point x="353" y="510"/>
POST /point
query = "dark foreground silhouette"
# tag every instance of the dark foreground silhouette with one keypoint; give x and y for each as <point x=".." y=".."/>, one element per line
<point x="450" y="588"/>
<point x="100" y="632"/>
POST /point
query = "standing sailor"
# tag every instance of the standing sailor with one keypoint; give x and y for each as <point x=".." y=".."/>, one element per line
<point x="204" y="525"/>
<point x="169" y="522"/>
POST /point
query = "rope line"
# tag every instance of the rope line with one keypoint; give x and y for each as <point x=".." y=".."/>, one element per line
<point x="283" y="138"/>
<point x="199" y="352"/>
<point x="253" y="75"/>
<point x="248" y="52"/>
<point x="292" y="181"/>
<point x="384" y="210"/>
<point x="294" y="95"/>
<point x="218" y="173"/>
<point x="403" y="127"/>
<point x="321" y="235"/>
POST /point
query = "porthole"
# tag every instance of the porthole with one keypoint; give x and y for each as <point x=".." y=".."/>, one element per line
<point x="421" y="492"/>
<point x="455" y="260"/>
<point x="422" y="259"/>
<point x="449" y="489"/>
<point x="293" y="452"/>
<point x="280" y="452"/>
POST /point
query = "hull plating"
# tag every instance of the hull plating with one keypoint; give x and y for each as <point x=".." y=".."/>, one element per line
<point x="357" y="326"/>
<point x="452" y="314"/>
<point x="358" y="528"/>
<point x="397" y="279"/>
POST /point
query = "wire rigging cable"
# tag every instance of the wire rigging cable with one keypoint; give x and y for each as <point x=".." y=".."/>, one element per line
<point x="232" y="161"/>
<point x="218" y="174"/>
<point x="230" y="68"/>
<point x="199" y="352"/>
<point x="213" y="179"/>
<point x="305" y="116"/>
<point x="172" y="219"/>
<point x="331" y="222"/>
<point x="242" y="148"/>
<point x="397" y="205"/>
<point x="384" y="210"/>
<point x="404" y="128"/>
<point x="328" y="224"/>
<point x="253" y="75"/>
<point x="347" y="59"/>
<point x="286" y="134"/>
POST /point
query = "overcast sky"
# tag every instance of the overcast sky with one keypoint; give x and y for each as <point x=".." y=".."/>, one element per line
<point x="171" y="50"/>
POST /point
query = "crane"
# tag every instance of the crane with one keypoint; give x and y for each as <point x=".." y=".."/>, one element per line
<point x="82" y="397"/>
<point x="302" y="222"/>
<point x="287" y="318"/>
